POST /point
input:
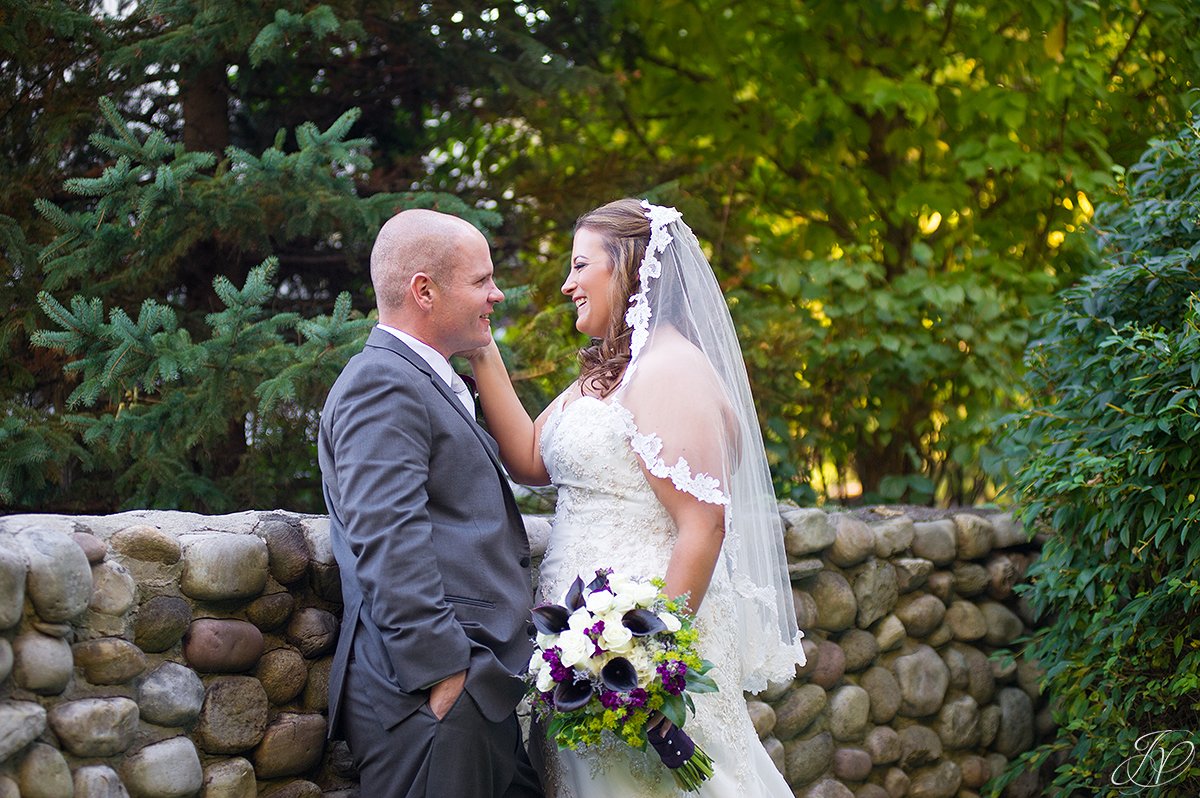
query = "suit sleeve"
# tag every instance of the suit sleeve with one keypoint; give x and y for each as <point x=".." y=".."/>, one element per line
<point x="381" y="442"/>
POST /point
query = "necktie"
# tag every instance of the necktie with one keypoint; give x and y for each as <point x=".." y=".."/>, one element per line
<point x="463" y="393"/>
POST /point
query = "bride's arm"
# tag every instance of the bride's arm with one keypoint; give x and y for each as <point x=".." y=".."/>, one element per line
<point x="701" y="531"/>
<point x="676" y="398"/>
<point x="518" y="435"/>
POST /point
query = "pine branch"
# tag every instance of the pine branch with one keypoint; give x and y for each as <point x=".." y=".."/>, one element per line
<point x="33" y="447"/>
<point x="85" y="319"/>
<point x="109" y="109"/>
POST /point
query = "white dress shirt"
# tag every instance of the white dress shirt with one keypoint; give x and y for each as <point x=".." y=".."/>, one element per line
<point x="440" y="366"/>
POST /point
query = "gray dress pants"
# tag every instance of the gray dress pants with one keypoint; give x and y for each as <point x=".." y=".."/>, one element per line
<point x="463" y="755"/>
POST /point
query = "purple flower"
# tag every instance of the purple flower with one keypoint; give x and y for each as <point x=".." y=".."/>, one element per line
<point x="594" y="632"/>
<point x="610" y="699"/>
<point x="615" y="699"/>
<point x="672" y="673"/>
<point x="557" y="672"/>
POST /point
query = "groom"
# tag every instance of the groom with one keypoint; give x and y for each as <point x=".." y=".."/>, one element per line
<point x="432" y="551"/>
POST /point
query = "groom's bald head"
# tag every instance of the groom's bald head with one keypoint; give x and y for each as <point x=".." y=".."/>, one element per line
<point x="415" y="242"/>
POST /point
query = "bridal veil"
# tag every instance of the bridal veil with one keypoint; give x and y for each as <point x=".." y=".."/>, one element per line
<point x="694" y="423"/>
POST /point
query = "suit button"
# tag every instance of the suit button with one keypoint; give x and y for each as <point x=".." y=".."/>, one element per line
<point x="524" y="562"/>
<point x="530" y="629"/>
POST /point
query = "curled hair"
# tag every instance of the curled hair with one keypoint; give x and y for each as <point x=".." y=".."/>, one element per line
<point x="625" y="230"/>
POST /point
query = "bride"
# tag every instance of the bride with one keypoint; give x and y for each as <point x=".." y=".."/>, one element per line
<point x="659" y="464"/>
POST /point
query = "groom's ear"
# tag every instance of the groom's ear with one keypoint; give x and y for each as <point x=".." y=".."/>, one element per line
<point x="421" y="289"/>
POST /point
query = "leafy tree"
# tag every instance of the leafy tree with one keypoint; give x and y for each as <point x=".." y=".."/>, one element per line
<point x="890" y="191"/>
<point x="1106" y="459"/>
<point x="50" y="75"/>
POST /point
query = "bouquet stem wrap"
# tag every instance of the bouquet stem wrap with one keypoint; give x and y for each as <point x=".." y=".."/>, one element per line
<point x="690" y="766"/>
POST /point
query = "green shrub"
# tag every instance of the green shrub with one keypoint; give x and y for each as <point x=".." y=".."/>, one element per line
<point x="1108" y="462"/>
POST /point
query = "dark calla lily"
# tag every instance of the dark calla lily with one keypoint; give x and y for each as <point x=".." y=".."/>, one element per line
<point x="571" y="695"/>
<point x="642" y="623"/>
<point x="574" y="598"/>
<point x="619" y="675"/>
<point x="550" y="619"/>
<point x="600" y="581"/>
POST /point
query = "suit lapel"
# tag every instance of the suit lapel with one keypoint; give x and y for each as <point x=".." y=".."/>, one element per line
<point x="385" y="340"/>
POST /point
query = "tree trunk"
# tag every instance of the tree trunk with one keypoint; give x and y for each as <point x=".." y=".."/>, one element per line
<point x="874" y="460"/>
<point x="883" y="461"/>
<point x="205" y="95"/>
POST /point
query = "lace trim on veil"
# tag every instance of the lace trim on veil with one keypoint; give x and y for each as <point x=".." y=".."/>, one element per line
<point x="704" y="487"/>
<point x="765" y="657"/>
<point x="764" y="663"/>
<point x="638" y="315"/>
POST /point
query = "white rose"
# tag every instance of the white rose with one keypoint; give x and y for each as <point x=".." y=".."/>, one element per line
<point x="611" y="618"/>
<point x="544" y="681"/>
<point x="536" y="662"/>
<point x="580" y="620"/>
<point x="574" y="647"/>
<point x="644" y="594"/>
<point x="619" y="583"/>
<point x="640" y="659"/>
<point x="673" y="624"/>
<point x="599" y="602"/>
<point x="616" y="637"/>
<point x="593" y="665"/>
<point x="624" y="602"/>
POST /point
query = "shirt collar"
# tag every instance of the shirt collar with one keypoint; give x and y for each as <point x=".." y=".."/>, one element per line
<point x="434" y="358"/>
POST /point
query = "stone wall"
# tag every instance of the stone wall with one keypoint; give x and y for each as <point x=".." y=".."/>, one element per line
<point x="169" y="654"/>
<point x="901" y="695"/>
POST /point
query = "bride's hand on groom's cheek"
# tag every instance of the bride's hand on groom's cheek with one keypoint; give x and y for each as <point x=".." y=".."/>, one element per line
<point x="480" y="354"/>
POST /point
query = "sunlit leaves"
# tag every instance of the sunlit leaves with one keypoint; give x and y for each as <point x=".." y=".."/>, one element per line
<point x="813" y="145"/>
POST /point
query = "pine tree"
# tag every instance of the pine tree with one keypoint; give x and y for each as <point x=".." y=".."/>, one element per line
<point x="208" y="411"/>
<point x="226" y="159"/>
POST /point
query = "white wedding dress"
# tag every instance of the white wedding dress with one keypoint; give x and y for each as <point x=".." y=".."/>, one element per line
<point x="608" y="516"/>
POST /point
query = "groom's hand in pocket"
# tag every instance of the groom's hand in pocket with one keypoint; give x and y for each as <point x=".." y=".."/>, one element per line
<point x="443" y="694"/>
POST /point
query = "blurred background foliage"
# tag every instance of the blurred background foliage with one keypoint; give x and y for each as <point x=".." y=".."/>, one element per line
<point x="890" y="193"/>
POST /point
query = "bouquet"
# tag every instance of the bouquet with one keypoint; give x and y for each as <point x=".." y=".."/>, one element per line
<point x="613" y="653"/>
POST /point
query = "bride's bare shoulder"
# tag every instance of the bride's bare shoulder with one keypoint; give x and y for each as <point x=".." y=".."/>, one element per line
<point x="671" y="355"/>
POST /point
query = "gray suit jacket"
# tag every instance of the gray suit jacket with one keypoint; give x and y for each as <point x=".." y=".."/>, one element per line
<point x="430" y="544"/>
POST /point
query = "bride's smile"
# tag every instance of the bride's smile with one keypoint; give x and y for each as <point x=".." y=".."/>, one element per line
<point x="589" y="283"/>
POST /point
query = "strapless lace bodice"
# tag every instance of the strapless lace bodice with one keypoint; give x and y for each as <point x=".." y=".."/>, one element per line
<point x="607" y="515"/>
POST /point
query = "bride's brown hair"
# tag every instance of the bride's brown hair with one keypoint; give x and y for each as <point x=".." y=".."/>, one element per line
<point x="626" y="233"/>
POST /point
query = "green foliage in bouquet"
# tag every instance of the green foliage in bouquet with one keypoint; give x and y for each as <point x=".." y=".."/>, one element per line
<point x="1107" y="460"/>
